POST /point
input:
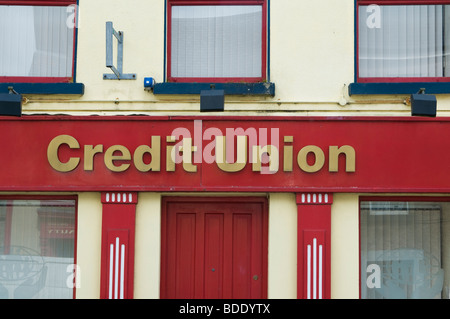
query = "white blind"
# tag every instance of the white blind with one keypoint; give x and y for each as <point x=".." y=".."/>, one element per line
<point x="405" y="243"/>
<point x="35" y="41"/>
<point x="216" y="41"/>
<point x="407" y="41"/>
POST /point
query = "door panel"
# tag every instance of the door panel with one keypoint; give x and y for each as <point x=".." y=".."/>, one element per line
<point x="213" y="256"/>
<point x="214" y="248"/>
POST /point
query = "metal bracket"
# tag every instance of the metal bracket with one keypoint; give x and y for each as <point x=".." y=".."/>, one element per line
<point x="117" y="72"/>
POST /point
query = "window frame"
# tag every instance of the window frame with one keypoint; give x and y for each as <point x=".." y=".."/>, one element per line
<point x="391" y="198"/>
<point x="369" y="80"/>
<point x="264" y="46"/>
<point x="48" y="198"/>
<point x="35" y="79"/>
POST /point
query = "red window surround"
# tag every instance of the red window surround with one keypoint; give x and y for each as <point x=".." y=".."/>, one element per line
<point x="393" y="79"/>
<point x="263" y="77"/>
<point x="23" y="79"/>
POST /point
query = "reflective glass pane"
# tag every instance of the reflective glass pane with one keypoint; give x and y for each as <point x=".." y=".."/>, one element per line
<point x="36" y="41"/>
<point x="37" y="242"/>
<point x="403" y="41"/>
<point x="404" y="253"/>
<point x="216" y="41"/>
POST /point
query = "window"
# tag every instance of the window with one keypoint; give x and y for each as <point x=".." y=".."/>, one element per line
<point x="37" y="41"/>
<point x="403" y="41"/>
<point x="37" y="248"/>
<point x="404" y="248"/>
<point x="216" y="41"/>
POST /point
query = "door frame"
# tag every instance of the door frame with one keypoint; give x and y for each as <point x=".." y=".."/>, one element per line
<point x="263" y="200"/>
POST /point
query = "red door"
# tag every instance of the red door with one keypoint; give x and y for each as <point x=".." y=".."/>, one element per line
<point x="214" y="248"/>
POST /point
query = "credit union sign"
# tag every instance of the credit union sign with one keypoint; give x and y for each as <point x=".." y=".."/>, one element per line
<point x="143" y="153"/>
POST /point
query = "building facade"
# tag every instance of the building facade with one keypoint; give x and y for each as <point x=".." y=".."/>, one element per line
<point x="224" y="149"/>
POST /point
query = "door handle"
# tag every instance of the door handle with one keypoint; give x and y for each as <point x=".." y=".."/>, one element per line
<point x="255" y="277"/>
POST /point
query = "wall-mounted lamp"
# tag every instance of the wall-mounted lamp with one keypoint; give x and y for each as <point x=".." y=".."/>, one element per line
<point x="212" y="100"/>
<point x="423" y="104"/>
<point x="11" y="103"/>
<point x="149" y="83"/>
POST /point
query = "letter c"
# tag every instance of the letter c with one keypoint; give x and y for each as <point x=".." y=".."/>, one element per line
<point x="52" y="153"/>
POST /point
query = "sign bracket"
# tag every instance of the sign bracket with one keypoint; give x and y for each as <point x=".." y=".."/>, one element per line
<point x="117" y="71"/>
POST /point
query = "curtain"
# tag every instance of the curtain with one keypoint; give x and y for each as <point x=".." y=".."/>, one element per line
<point x="402" y="241"/>
<point x="403" y="41"/>
<point x="35" y="41"/>
<point x="216" y="41"/>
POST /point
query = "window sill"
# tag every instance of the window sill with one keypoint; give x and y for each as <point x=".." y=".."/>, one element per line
<point x="44" y="88"/>
<point x="261" y="88"/>
<point x="398" y="88"/>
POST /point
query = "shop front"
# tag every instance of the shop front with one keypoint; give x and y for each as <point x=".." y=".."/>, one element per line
<point x="223" y="192"/>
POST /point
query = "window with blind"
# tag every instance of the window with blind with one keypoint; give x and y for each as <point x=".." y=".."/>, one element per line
<point x="220" y="41"/>
<point x="36" y="41"/>
<point x="403" y="247"/>
<point x="37" y="248"/>
<point x="401" y="42"/>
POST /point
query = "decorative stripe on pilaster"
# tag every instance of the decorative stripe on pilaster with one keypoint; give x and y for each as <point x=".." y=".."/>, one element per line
<point x="118" y="231"/>
<point x="314" y="234"/>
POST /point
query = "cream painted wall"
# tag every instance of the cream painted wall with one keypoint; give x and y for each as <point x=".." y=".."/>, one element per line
<point x="311" y="63"/>
<point x="311" y="52"/>
<point x="345" y="246"/>
<point x="148" y="244"/>
<point x="89" y="245"/>
<point x="282" y="246"/>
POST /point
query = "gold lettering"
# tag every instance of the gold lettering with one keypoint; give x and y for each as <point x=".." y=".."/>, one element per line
<point x="89" y="152"/>
<point x="288" y="154"/>
<point x="170" y="154"/>
<point x="319" y="159"/>
<point x="52" y="153"/>
<point x="221" y="154"/>
<point x="187" y="150"/>
<point x="272" y="152"/>
<point x="155" y="153"/>
<point x="350" y="156"/>
<point x="110" y="158"/>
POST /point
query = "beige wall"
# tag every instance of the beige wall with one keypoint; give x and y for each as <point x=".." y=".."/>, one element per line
<point x="311" y="64"/>
<point x="89" y="238"/>
<point x="345" y="246"/>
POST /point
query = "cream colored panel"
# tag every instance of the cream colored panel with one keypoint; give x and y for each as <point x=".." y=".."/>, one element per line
<point x="89" y="245"/>
<point x="148" y="246"/>
<point x="345" y="246"/>
<point x="282" y="246"/>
